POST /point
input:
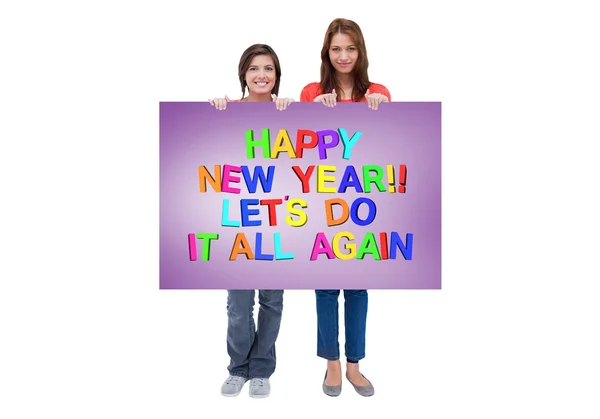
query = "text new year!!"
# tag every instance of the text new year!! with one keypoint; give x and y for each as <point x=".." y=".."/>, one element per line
<point x="380" y="247"/>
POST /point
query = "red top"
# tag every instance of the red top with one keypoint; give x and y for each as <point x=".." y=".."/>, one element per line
<point x="312" y="90"/>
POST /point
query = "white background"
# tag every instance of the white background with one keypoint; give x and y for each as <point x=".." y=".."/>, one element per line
<point x="85" y="331"/>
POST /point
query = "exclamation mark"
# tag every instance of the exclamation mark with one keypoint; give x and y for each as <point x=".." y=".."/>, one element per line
<point x="402" y="179"/>
<point x="391" y="178"/>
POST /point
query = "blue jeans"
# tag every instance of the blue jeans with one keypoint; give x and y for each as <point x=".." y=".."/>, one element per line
<point x="355" y="320"/>
<point x="252" y="351"/>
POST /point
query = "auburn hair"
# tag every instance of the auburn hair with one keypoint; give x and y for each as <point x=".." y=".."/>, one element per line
<point x="360" y="74"/>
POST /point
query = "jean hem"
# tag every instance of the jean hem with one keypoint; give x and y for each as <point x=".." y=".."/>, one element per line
<point x="329" y="358"/>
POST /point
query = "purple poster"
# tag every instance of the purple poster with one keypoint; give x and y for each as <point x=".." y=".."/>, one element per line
<point x="307" y="198"/>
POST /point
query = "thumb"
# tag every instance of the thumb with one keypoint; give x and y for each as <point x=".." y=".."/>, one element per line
<point x="274" y="96"/>
<point x="333" y="92"/>
<point x="227" y="98"/>
<point x="368" y="93"/>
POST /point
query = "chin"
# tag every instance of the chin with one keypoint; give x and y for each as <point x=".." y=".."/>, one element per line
<point x="261" y="91"/>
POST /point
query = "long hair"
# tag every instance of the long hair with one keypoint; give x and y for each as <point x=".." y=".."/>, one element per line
<point x="246" y="59"/>
<point x="361" y="77"/>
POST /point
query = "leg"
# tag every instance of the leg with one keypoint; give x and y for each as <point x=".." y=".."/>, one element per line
<point x="262" y="356"/>
<point x="355" y="316"/>
<point x="327" y="335"/>
<point x="240" y="330"/>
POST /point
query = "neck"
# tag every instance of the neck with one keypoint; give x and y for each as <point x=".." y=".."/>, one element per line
<point x="346" y="83"/>
<point x="345" y="80"/>
<point x="253" y="97"/>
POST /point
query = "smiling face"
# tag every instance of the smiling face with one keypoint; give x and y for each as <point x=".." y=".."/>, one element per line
<point x="343" y="53"/>
<point x="261" y="75"/>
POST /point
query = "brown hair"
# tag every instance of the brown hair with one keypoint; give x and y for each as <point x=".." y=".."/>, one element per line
<point x="360" y="74"/>
<point x="246" y="59"/>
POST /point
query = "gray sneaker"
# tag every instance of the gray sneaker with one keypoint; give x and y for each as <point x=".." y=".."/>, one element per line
<point x="233" y="386"/>
<point x="259" y="388"/>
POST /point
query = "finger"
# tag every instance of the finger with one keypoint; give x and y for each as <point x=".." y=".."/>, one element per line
<point x="378" y="100"/>
<point x="212" y="102"/>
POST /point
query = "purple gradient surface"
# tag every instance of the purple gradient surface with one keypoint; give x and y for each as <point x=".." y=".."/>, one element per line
<point x="195" y="134"/>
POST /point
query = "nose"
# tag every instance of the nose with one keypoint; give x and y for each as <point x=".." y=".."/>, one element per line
<point x="344" y="55"/>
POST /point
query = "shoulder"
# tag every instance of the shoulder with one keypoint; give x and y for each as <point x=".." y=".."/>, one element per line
<point x="380" y="88"/>
<point x="310" y="87"/>
<point x="310" y="92"/>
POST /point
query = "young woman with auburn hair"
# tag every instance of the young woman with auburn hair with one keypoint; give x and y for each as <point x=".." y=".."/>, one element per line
<point x="344" y="65"/>
<point x="344" y="78"/>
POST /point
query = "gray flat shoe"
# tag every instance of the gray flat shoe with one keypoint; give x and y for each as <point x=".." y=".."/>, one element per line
<point x="332" y="391"/>
<point x="365" y="391"/>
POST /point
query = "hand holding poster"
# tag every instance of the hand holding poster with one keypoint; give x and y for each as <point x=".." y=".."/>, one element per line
<point x="308" y="198"/>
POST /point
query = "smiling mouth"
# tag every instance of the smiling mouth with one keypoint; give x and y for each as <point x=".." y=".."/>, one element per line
<point x="261" y="83"/>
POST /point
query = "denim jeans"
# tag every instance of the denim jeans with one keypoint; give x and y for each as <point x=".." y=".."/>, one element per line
<point x="355" y="320"/>
<point x="252" y="350"/>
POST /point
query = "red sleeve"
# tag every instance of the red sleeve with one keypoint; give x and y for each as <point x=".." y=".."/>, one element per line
<point x="310" y="92"/>
<point x="380" y="88"/>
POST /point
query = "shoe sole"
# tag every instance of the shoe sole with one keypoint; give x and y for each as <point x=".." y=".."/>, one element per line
<point x="231" y="395"/>
<point x="260" y="396"/>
